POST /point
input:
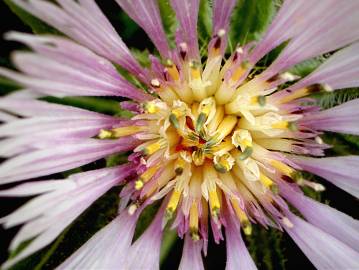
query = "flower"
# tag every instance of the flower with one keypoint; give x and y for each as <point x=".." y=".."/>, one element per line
<point x="220" y="145"/>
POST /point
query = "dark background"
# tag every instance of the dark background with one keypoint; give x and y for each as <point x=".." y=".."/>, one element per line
<point x="134" y="37"/>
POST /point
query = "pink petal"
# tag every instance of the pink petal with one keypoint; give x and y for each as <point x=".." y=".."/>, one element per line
<point x="107" y="249"/>
<point x="146" y="14"/>
<point x="60" y="156"/>
<point x="187" y="15"/>
<point x="61" y="68"/>
<point x="191" y="256"/>
<point x="322" y="249"/>
<point x="342" y="118"/>
<point x="338" y="26"/>
<point x="60" y="200"/>
<point x="340" y="171"/>
<point x="238" y="256"/>
<point x="149" y="245"/>
<point x="330" y="220"/>
<point x="85" y="23"/>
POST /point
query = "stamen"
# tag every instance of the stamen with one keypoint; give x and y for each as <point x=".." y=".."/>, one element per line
<point x="245" y="223"/>
<point x="223" y="163"/>
<point x="172" y="70"/>
<point x="146" y="176"/>
<point x="193" y="222"/>
<point x="268" y="183"/>
<point x="283" y="168"/>
<point x="172" y="204"/>
<point x="154" y="147"/>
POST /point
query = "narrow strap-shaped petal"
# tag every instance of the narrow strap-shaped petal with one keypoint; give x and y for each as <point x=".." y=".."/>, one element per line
<point x="85" y="23"/>
<point x="63" y="68"/>
<point x="337" y="27"/>
<point x="340" y="71"/>
<point x="342" y="118"/>
<point x="146" y="14"/>
<point x="340" y="171"/>
<point x="238" y="256"/>
<point x="107" y="249"/>
<point x="42" y="213"/>
<point x="60" y="156"/>
<point x="222" y="11"/>
<point x="330" y="220"/>
<point x="289" y="23"/>
<point x="33" y="108"/>
<point x="191" y="256"/>
<point x="187" y="15"/>
<point x="145" y="252"/>
<point x="322" y="249"/>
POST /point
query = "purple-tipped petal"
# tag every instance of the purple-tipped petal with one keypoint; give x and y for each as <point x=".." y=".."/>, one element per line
<point x="187" y="15"/>
<point x="60" y="155"/>
<point x="60" y="121"/>
<point x="85" y="23"/>
<point x="146" y="14"/>
<point x="107" y="249"/>
<point x="322" y="249"/>
<point x="342" y="118"/>
<point x="289" y="23"/>
<point x="60" y="67"/>
<point x="149" y="245"/>
<point x="238" y="256"/>
<point x="191" y="256"/>
<point x="330" y="220"/>
<point x="42" y="214"/>
<point x="337" y="27"/>
<point x="340" y="171"/>
<point x="340" y="71"/>
<point x="222" y="11"/>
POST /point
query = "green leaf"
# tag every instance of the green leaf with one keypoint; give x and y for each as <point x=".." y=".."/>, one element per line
<point x="330" y="99"/>
<point x="306" y="67"/>
<point x="141" y="56"/>
<point x="204" y="26"/>
<point x="250" y="19"/>
<point x="169" y="20"/>
<point x="37" y="26"/>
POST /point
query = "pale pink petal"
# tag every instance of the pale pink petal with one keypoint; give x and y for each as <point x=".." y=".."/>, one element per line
<point x="330" y="220"/>
<point x="107" y="249"/>
<point x="146" y="14"/>
<point x="341" y="70"/>
<point x="340" y="171"/>
<point x="293" y="18"/>
<point x="342" y="118"/>
<point x="59" y="200"/>
<point x="238" y="256"/>
<point x="84" y="22"/>
<point x="148" y="245"/>
<point x="187" y="15"/>
<point x="322" y="249"/>
<point x="60" y="156"/>
<point x="62" y="68"/>
<point x="334" y="28"/>
<point x="191" y="256"/>
<point x="222" y="11"/>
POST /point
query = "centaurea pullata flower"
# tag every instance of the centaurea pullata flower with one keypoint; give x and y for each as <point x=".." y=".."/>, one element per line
<point x="220" y="144"/>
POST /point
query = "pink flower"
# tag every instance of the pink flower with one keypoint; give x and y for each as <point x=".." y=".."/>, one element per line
<point x="221" y="148"/>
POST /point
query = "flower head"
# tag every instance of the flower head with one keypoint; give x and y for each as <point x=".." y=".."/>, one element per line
<point x="219" y="143"/>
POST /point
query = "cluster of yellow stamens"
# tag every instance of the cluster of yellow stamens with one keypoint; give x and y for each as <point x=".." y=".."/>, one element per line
<point x="207" y="136"/>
